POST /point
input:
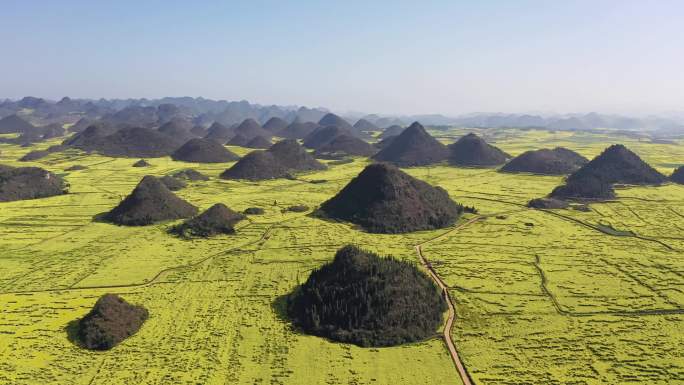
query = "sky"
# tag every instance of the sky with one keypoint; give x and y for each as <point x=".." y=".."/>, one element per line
<point x="389" y="57"/>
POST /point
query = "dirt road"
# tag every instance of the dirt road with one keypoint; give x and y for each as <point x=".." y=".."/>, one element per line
<point x="462" y="372"/>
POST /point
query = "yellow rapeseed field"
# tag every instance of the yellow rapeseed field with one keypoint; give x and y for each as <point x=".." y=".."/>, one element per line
<point x="542" y="297"/>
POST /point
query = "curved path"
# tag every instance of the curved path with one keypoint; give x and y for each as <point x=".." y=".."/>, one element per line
<point x="462" y="372"/>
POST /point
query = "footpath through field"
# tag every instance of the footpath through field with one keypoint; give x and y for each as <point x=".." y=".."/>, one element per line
<point x="462" y="372"/>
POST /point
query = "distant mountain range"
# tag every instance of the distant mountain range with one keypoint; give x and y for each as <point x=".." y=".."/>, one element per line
<point x="204" y="112"/>
<point x="663" y="125"/>
<point x="588" y="121"/>
<point x="148" y="111"/>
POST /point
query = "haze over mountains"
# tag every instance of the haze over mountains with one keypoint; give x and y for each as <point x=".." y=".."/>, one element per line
<point x="201" y="113"/>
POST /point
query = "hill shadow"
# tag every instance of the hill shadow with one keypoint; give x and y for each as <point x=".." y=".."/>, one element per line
<point x="71" y="330"/>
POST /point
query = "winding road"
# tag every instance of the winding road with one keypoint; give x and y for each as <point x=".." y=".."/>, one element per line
<point x="446" y="334"/>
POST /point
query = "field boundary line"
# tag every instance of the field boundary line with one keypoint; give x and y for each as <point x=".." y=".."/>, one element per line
<point x="582" y="223"/>
<point x="152" y="281"/>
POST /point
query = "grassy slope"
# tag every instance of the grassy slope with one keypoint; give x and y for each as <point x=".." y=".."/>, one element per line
<point x="213" y="318"/>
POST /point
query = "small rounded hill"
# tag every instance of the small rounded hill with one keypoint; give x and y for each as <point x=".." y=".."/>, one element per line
<point x="178" y="128"/>
<point x="279" y="161"/>
<point x="413" y="147"/>
<point x="331" y="119"/>
<point x="250" y="128"/>
<point x="190" y="175"/>
<point x="109" y="322"/>
<point x="344" y="145"/>
<point x="367" y="300"/>
<point x="365" y="125"/>
<point x="151" y="201"/>
<point x="203" y="151"/>
<point x="471" y="150"/>
<point x="324" y="135"/>
<point x="19" y="183"/>
<point x="14" y="124"/>
<point x="91" y="137"/>
<point x="297" y="130"/>
<point x="294" y="157"/>
<point x="219" y="132"/>
<point x="384" y="199"/>
<point x="557" y="161"/>
<point x="126" y="142"/>
<point x="275" y="124"/>
<point x="616" y="164"/>
<point x="218" y="219"/>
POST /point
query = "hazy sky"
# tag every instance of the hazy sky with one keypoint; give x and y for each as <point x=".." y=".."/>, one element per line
<point x="445" y="57"/>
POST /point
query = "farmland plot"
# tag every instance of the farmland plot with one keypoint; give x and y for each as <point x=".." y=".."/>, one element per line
<point x="541" y="297"/>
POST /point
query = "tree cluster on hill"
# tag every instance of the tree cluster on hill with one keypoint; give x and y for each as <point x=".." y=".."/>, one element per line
<point x="110" y="321"/>
<point x="218" y="219"/>
<point x="203" y="151"/>
<point x="413" y="147"/>
<point x="279" y="161"/>
<point x="616" y="164"/>
<point x="557" y="161"/>
<point x="384" y="199"/>
<point x="367" y="300"/>
<point x="343" y="146"/>
<point x="190" y="175"/>
<point x="126" y="142"/>
<point x="471" y="150"/>
<point x="19" y="183"/>
<point x="151" y="201"/>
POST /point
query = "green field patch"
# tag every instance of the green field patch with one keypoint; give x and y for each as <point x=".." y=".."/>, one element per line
<point x="541" y="297"/>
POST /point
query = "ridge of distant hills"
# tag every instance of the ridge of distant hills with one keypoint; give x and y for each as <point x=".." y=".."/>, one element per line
<point x="147" y="112"/>
<point x="203" y="112"/>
